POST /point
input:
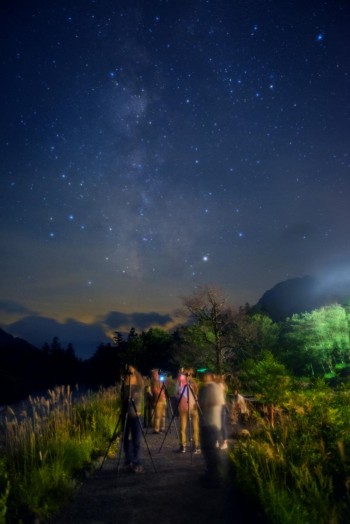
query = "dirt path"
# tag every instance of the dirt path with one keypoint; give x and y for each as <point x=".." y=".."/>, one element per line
<point x="173" y="494"/>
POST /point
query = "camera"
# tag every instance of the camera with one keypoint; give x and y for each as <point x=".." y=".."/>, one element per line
<point x="127" y="370"/>
<point x="162" y="375"/>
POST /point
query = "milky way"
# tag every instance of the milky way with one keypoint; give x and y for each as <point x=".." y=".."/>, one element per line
<point x="152" y="147"/>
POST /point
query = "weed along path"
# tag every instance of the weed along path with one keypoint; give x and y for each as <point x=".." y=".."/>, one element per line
<point x="172" y="494"/>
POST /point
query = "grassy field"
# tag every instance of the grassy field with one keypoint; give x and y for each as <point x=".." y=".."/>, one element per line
<point x="48" y="446"/>
<point x="299" y="469"/>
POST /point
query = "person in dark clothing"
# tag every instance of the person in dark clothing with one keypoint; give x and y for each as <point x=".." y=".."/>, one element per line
<point x="132" y="392"/>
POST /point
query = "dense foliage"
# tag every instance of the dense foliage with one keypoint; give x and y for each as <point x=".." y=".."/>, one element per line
<point x="296" y="468"/>
<point x="213" y="335"/>
<point x="47" y="446"/>
<point x="295" y="463"/>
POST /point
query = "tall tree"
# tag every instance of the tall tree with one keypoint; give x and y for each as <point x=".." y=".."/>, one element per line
<point x="268" y="380"/>
<point x="213" y="319"/>
<point x="157" y="351"/>
<point x="255" y="333"/>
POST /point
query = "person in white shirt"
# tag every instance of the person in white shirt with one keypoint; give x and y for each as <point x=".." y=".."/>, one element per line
<point x="239" y="407"/>
<point x="210" y="403"/>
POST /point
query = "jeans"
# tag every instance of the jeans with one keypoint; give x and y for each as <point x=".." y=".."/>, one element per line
<point x="211" y="454"/>
<point x="194" y="427"/>
<point x="160" y="415"/>
<point x="224" y="422"/>
<point x="132" y="440"/>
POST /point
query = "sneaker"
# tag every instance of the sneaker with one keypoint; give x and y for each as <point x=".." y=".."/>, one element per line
<point x="223" y="445"/>
<point x="197" y="451"/>
<point x="217" y="445"/>
<point x="182" y="449"/>
<point x="138" y="468"/>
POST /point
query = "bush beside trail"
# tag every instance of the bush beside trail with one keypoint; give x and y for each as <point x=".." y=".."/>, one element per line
<point x="47" y="446"/>
<point x="295" y="470"/>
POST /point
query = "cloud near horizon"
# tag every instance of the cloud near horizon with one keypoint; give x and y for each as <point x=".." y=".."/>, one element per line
<point x="118" y="321"/>
<point x="84" y="337"/>
<point x="15" y="308"/>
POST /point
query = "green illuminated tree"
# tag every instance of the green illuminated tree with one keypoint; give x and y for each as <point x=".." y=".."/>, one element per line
<point x="268" y="380"/>
<point x="315" y="342"/>
<point x="253" y="335"/>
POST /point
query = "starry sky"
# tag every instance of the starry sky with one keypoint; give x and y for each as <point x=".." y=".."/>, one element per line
<point x="149" y="147"/>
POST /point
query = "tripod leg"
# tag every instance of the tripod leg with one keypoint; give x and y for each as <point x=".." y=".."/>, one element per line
<point x="111" y="439"/>
<point x="173" y="417"/>
<point x="143" y="434"/>
<point x="169" y="408"/>
<point x="200" y="412"/>
<point x="193" y="418"/>
<point x="153" y="411"/>
<point x="189" y="418"/>
<point x="123" y="439"/>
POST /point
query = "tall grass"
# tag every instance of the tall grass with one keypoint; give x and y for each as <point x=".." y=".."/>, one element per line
<point x="300" y="469"/>
<point x="48" y="445"/>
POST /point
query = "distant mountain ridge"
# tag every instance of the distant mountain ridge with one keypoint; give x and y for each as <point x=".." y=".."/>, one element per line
<point x="8" y="341"/>
<point x="298" y="295"/>
<point x="295" y="295"/>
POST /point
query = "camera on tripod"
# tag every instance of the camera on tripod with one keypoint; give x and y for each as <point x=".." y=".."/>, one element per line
<point x="162" y="375"/>
<point x="127" y="370"/>
<point x="186" y="372"/>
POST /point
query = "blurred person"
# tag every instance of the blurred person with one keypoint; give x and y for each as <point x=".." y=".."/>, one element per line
<point x="222" y="442"/>
<point x="159" y="405"/>
<point x="187" y="390"/>
<point x="148" y="402"/>
<point x="240" y="410"/>
<point x="210" y="403"/>
<point x="131" y="395"/>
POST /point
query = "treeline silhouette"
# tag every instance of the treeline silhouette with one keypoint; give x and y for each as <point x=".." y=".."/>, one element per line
<point x="25" y="369"/>
<point x="215" y="336"/>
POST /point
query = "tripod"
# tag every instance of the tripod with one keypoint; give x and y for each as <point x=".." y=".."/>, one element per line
<point x="187" y="391"/>
<point x="130" y="422"/>
<point x="168" y="406"/>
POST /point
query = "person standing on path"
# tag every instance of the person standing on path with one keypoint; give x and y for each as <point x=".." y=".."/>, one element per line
<point x="159" y="402"/>
<point x="187" y="390"/>
<point x="210" y="403"/>
<point x="131" y="396"/>
<point x="222" y="442"/>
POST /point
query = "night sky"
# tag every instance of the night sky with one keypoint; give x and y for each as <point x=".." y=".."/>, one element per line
<point x="150" y="147"/>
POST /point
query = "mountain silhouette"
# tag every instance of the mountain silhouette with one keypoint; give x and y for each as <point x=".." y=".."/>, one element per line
<point x="22" y="368"/>
<point x="16" y="344"/>
<point x="298" y="295"/>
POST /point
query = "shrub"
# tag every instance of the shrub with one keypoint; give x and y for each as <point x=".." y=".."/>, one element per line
<point x="47" y="447"/>
<point x="299" y="470"/>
